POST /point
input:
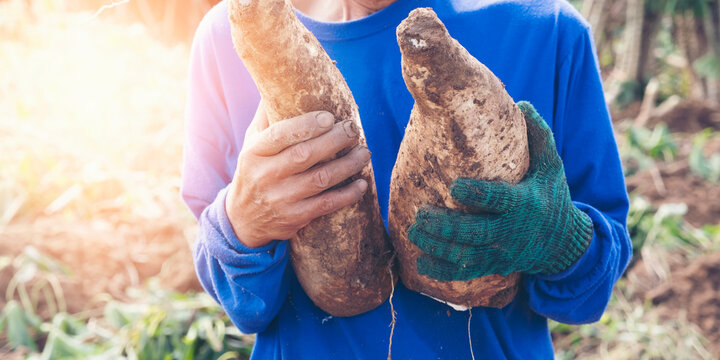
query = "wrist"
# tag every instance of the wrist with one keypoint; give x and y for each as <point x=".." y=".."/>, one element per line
<point x="240" y="229"/>
<point x="577" y="240"/>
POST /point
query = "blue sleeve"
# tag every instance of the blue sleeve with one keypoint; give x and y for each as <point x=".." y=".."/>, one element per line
<point x="585" y="141"/>
<point x="250" y="284"/>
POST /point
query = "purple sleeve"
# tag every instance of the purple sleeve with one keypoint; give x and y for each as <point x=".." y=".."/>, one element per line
<point x="250" y="284"/>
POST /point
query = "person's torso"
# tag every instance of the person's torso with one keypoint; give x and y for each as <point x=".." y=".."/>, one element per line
<point x="523" y="42"/>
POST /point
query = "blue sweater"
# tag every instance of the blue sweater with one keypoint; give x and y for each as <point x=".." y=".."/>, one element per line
<point x="543" y="52"/>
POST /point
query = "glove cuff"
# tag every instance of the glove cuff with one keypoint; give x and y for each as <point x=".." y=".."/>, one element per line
<point x="571" y="251"/>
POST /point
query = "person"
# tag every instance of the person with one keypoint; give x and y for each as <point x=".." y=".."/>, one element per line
<point x="252" y="186"/>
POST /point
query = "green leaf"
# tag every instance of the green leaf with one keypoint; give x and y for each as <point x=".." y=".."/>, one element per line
<point x="707" y="168"/>
<point x="18" y="326"/>
<point x="230" y="355"/>
<point x="657" y="143"/>
<point x="630" y="91"/>
<point x="707" y="66"/>
<point x="61" y="345"/>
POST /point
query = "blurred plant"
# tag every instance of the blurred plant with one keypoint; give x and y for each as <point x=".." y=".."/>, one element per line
<point x="707" y="66"/>
<point x="34" y="281"/>
<point x="657" y="143"/>
<point x="35" y="278"/>
<point x="18" y="327"/>
<point x="169" y="325"/>
<point x="666" y="227"/>
<point x="634" y="160"/>
<point x="672" y="82"/>
<point x="708" y="167"/>
<point x="629" y="92"/>
<point x="68" y="338"/>
<point x="628" y="331"/>
<point x="640" y="147"/>
<point x="639" y="223"/>
<point x="160" y="325"/>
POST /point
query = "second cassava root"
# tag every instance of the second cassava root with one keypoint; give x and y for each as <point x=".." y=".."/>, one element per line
<point x="340" y="259"/>
<point x="463" y="124"/>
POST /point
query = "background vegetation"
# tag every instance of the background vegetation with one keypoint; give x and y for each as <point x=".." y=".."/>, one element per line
<point x="94" y="255"/>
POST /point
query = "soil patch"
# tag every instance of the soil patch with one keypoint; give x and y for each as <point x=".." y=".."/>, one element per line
<point x="103" y="259"/>
<point x="689" y="116"/>
<point x="694" y="291"/>
<point x="621" y="114"/>
<point x="680" y="185"/>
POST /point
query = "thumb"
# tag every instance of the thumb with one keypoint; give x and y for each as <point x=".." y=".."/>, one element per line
<point x="541" y="143"/>
<point x="257" y="125"/>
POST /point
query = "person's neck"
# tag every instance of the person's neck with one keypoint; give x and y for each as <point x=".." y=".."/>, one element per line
<point x="340" y="10"/>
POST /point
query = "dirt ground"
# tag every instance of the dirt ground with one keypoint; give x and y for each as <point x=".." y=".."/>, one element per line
<point x="690" y="117"/>
<point x="102" y="259"/>
<point x="678" y="184"/>
<point x="693" y="288"/>
<point x="694" y="292"/>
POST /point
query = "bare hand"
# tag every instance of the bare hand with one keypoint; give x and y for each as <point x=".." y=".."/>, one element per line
<point x="282" y="175"/>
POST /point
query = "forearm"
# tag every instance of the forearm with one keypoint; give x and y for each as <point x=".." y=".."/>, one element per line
<point x="581" y="293"/>
<point x="251" y="284"/>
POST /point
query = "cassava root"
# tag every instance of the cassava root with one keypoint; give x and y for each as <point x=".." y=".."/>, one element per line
<point x="463" y="124"/>
<point x="340" y="259"/>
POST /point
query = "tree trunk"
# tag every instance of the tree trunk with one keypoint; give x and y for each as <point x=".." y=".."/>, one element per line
<point x="712" y="35"/>
<point x="595" y="12"/>
<point x="634" y="19"/>
<point x="650" y="28"/>
<point x="686" y="37"/>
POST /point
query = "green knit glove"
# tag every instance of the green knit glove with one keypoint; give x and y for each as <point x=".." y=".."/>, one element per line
<point x="530" y="227"/>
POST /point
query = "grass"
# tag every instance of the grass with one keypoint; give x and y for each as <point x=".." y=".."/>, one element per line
<point x="708" y="167"/>
<point x="633" y="332"/>
<point x="158" y="324"/>
<point x="631" y="327"/>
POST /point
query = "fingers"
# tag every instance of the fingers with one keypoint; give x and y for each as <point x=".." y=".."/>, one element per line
<point x="304" y="155"/>
<point x="541" y="143"/>
<point x="257" y="125"/>
<point x="327" y="175"/>
<point x="330" y="201"/>
<point x="469" y="229"/>
<point x="485" y="196"/>
<point x="454" y="252"/>
<point x="283" y="134"/>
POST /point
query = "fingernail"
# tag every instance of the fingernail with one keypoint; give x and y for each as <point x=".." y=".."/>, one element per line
<point x="325" y="119"/>
<point x="363" y="185"/>
<point x="351" y="130"/>
<point x="365" y="154"/>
